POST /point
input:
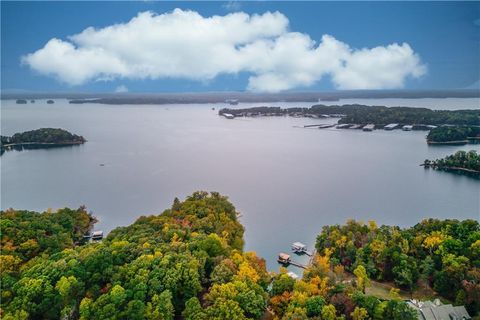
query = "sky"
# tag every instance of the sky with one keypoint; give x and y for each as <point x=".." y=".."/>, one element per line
<point x="257" y="46"/>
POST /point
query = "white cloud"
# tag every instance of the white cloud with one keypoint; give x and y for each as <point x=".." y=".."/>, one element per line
<point x="121" y="89"/>
<point x="186" y="45"/>
<point x="232" y="5"/>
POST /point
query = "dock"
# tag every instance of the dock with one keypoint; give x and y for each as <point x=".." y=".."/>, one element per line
<point x="298" y="248"/>
<point x="319" y="126"/>
<point x="284" y="259"/>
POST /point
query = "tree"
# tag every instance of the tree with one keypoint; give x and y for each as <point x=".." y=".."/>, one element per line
<point x="193" y="310"/>
<point x="329" y="312"/>
<point x="362" y="277"/>
<point x="225" y="309"/>
<point x="314" y="306"/>
<point x="282" y="283"/>
<point x="161" y="307"/>
<point x="405" y="273"/>
<point x="359" y="314"/>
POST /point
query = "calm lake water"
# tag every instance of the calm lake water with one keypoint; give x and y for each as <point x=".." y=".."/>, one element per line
<point x="287" y="182"/>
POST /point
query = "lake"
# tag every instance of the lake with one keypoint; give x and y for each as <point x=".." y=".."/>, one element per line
<point x="287" y="182"/>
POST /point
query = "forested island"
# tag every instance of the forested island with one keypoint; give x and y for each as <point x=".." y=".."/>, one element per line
<point x="379" y="116"/>
<point x="188" y="263"/>
<point x="454" y="135"/>
<point x="40" y="138"/>
<point x="460" y="162"/>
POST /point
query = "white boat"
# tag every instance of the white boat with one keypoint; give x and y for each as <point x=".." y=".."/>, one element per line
<point x="228" y="115"/>
<point x="369" y="127"/>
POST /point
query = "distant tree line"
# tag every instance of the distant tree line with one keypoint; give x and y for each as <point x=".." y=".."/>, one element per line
<point x="378" y="115"/>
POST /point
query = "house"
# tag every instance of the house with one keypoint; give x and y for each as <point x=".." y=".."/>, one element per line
<point x="97" y="235"/>
<point x="435" y="310"/>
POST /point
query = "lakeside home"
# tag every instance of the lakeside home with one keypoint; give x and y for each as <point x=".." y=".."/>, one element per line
<point x="435" y="310"/>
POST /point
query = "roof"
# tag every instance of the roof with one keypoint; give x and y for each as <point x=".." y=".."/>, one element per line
<point x="428" y="310"/>
<point x="284" y="256"/>
<point x="462" y="312"/>
<point x="299" y="244"/>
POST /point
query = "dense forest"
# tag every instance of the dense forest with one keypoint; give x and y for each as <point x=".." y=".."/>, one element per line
<point x="439" y="255"/>
<point x="461" y="161"/>
<point x="447" y="134"/>
<point x="43" y="135"/>
<point x="188" y="263"/>
<point x="378" y="115"/>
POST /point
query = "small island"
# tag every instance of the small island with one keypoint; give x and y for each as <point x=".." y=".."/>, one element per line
<point x="453" y="135"/>
<point x="461" y="162"/>
<point x="40" y="138"/>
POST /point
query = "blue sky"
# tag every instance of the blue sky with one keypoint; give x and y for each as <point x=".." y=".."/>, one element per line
<point x="444" y="38"/>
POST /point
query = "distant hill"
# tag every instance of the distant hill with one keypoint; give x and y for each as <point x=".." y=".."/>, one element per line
<point x="219" y="97"/>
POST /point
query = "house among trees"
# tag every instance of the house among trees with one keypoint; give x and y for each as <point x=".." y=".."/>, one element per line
<point x="435" y="310"/>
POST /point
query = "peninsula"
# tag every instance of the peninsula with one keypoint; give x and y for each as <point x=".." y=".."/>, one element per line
<point x="40" y="138"/>
<point x="461" y="162"/>
<point x="379" y="116"/>
<point x="453" y="135"/>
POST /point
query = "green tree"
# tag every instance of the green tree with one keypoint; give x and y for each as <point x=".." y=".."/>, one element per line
<point x="314" y="306"/>
<point x="193" y="310"/>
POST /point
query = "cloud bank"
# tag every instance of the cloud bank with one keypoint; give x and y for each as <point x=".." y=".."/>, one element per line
<point x="185" y="45"/>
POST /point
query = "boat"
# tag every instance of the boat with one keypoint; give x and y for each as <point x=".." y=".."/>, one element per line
<point x="407" y="128"/>
<point x="228" y="115"/>
<point x="369" y="127"/>
<point x="390" y="126"/>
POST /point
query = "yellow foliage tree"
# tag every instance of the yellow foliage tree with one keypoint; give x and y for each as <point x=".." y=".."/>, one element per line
<point x="362" y="277"/>
<point x="359" y="314"/>
<point x="434" y="240"/>
<point x="245" y="271"/>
